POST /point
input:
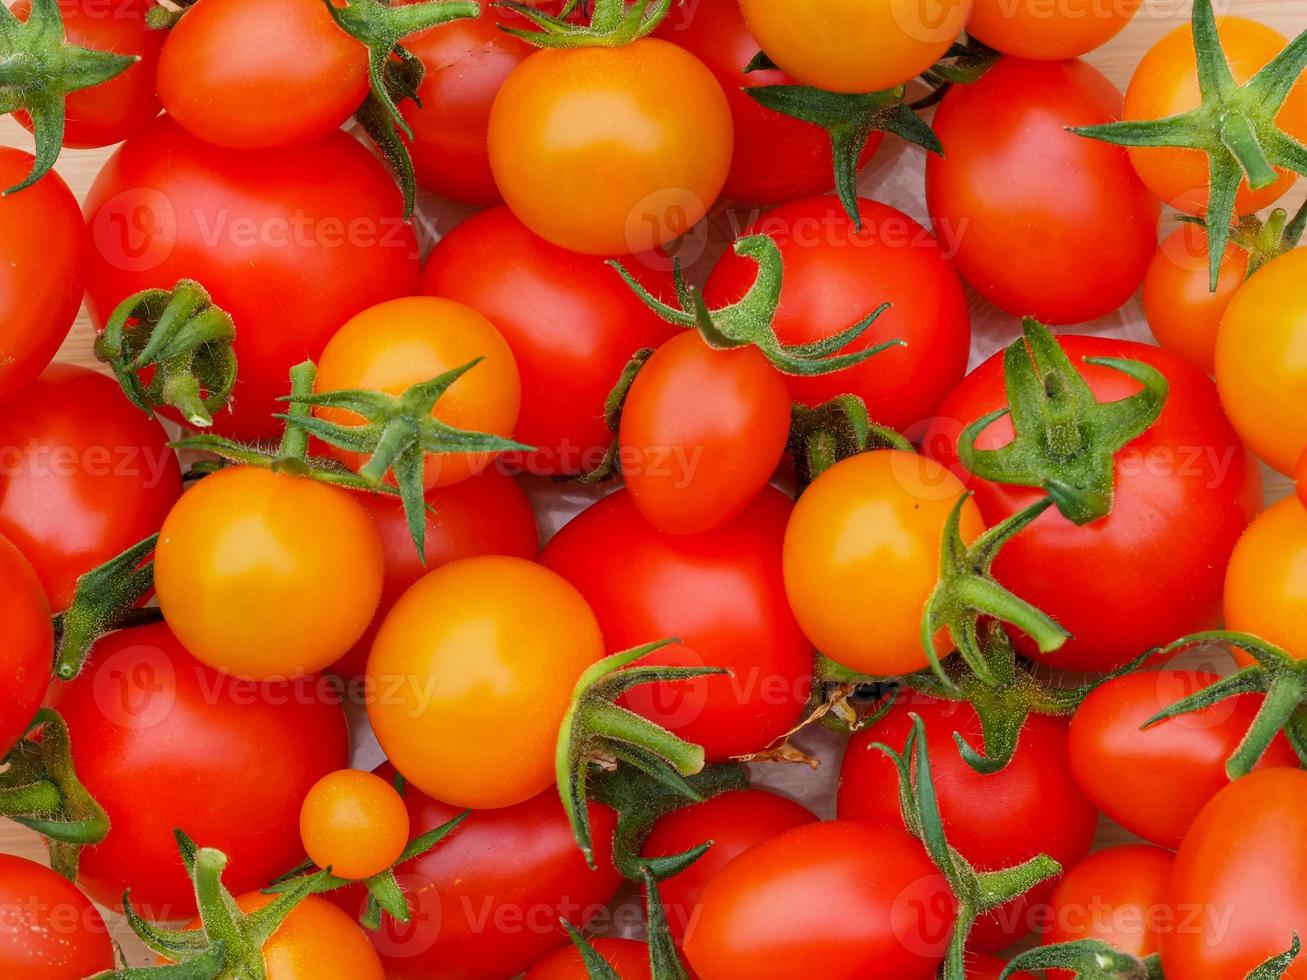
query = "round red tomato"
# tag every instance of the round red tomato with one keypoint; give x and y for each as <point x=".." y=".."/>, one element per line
<point x="48" y="929"/>
<point x="161" y="741"/>
<point x="42" y="270"/>
<point x="629" y="960"/>
<point x="1185" y="490"/>
<point x="570" y="321"/>
<point x="1153" y="782"/>
<point x="721" y="593"/>
<point x="1045" y="223"/>
<point x="26" y="645"/>
<point x="869" y="892"/>
<point x="292" y="243"/>
<point x="734" y="822"/>
<point x="83" y="476"/>
<point x="1238" y="876"/>
<point x="998" y="820"/>
<point x="836" y="276"/>
<point x="486" y="901"/>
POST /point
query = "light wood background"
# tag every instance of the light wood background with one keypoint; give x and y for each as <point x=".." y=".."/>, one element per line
<point x="1116" y="59"/>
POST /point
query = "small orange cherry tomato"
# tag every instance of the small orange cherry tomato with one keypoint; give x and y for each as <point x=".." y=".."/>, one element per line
<point x="395" y="345"/>
<point x="862" y="554"/>
<point x="262" y="574"/>
<point x="354" y="823"/>
<point x="1266" y="580"/>
<point x="471" y="674"/>
<point x="1042" y="31"/>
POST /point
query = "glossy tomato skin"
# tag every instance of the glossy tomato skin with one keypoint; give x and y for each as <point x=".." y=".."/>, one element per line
<point x="291" y="242"/>
<point x="43" y="247"/>
<point x="777" y="158"/>
<point x="1266" y="582"/>
<point x="140" y="698"/>
<point x="995" y="821"/>
<point x="628" y="958"/>
<point x="48" y="929"/>
<point x="836" y="276"/>
<point x="26" y="645"/>
<point x="1031" y="208"/>
<point x="734" y="822"/>
<point x="868" y="891"/>
<point x="1260" y="372"/>
<point x="1154" y="782"/>
<point x="1185" y="490"/>
<point x="720" y="593"/>
<point x="570" y="321"/>
<point x="1302" y="479"/>
<point x="1030" y="30"/>
<point x="1243" y="860"/>
<point x="486" y="901"/>
<point x="354" y="823"/>
<point x="230" y="68"/>
<point x="702" y="432"/>
<point x="112" y="111"/>
<point x="85" y="476"/>
<point x="620" y="111"/>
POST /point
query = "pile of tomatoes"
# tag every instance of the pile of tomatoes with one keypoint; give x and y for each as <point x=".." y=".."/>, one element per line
<point x="307" y="509"/>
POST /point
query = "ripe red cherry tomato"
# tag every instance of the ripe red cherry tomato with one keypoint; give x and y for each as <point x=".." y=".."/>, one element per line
<point x="143" y="696"/>
<point x="84" y="476"/>
<point x="26" y="645"/>
<point x="48" y="929"/>
<point x="628" y="958"/>
<point x="1239" y="872"/>
<point x="42" y="270"/>
<point x="292" y="243"/>
<point x="836" y="276"/>
<point x="734" y="822"/>
<point x="1154" y="782"/>
<point x="1185" y="490"/>
<point x="570" y="321"/>
<point x="868" y="891"/>
<point x="720" y="593"/>
<point x="999" y="820"/>
<point x="1031" y="208"/>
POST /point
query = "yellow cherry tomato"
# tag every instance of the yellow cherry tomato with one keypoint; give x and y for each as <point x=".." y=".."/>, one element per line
<point x="262" y="574"/>
<point x="862" y="554"/>
<point x="1044" y="31"/>
<point x="1266" y="580"/>
<point x="471" y="674"/>
<point x="354" y="823"/>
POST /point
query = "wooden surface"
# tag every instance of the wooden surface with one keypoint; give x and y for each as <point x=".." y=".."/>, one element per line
<point x="1116" y="59"/>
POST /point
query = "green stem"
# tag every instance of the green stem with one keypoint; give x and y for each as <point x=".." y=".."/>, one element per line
<point x="33" y="799"/>
<point x="295" y="440"/>
<point x="1286" y="695"/>
<point x="620" y="725"/>
<point x="1239" y="138"/>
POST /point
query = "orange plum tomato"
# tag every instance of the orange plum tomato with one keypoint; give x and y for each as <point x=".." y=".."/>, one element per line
<point x="263" y="574"/>
<point x="862" y="553"/>
<point x="26" y="645"/>
<point x="1266" y="581"/>
<point x="393" y="346"/>
<point x="1045" y="31"/>
<point x="628" y="959"/>
<point x="609" y="151"/>
<point x="354" y="823"/>
<point x="474" y="643"/>
<point x="48" y="929"/>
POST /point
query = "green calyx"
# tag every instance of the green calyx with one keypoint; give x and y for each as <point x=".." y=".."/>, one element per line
<point x="596" y="967"/>
<point x="610" y="467"/>
<point x="1234" y="125"/>
<point x="964" y="63"/>
<point x="612" y="23"/>
<point x="977" y="892"/>
<point x="39" y="69"/>
<point x="106" y="599"/>
<point x="597" y="729"/>
<point x="39" y="789"/>
<point x="402" y="76"/>
<point x="1276" y="674"/>
<point x="1065" y="441"/>
<point x="398" y="434"/>
<point x="183" y="340"/>
<point x="1088" y="959"/>
<point x="749" y="321"/>
<point x="1269" y="239"/>
<point x="967" y="592"/>
<point x="1277" y="966"/>
<point x="823" y="436"/>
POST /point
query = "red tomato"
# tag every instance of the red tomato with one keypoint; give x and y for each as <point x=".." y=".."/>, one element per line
<point x="628" y="958"/>
<point x="981" y="966"/>
<point x="486" y="901"/>
<point x="995" y="821"/>
<point x="42" y="270"/>
<point x="83" y="477"/>
<point x="702" y="432"/>
<point x="161" y="741"/>
<point x="1238" y="880"/>
<point x="734" y="822"/>
<point x="720" y="593"/>
<point x="1033" y="210"/>
<point x="777" y="158"/>
<point x="779" y="908"/>
<point x="26" y="645"/>
<point x="836" y="276"/>
<point x="1185" y="490"/>
<point x="48" y="929"/>
<point x="1154" y="782"/>
<point x="112" y="111"/>
<point x="292" y="243"/>
<point x="570" y="321"/>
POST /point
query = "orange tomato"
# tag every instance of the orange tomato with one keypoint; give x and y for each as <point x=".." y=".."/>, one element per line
<point x="1266" y="580"/>
<point x="1042" y="31"/>
<point x="354" y="823"/>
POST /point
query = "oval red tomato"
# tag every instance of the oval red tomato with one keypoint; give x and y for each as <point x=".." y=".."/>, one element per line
<point x="48" y="929"/>
<point x="26" y="645"/>
<point x="629" y="960"/>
